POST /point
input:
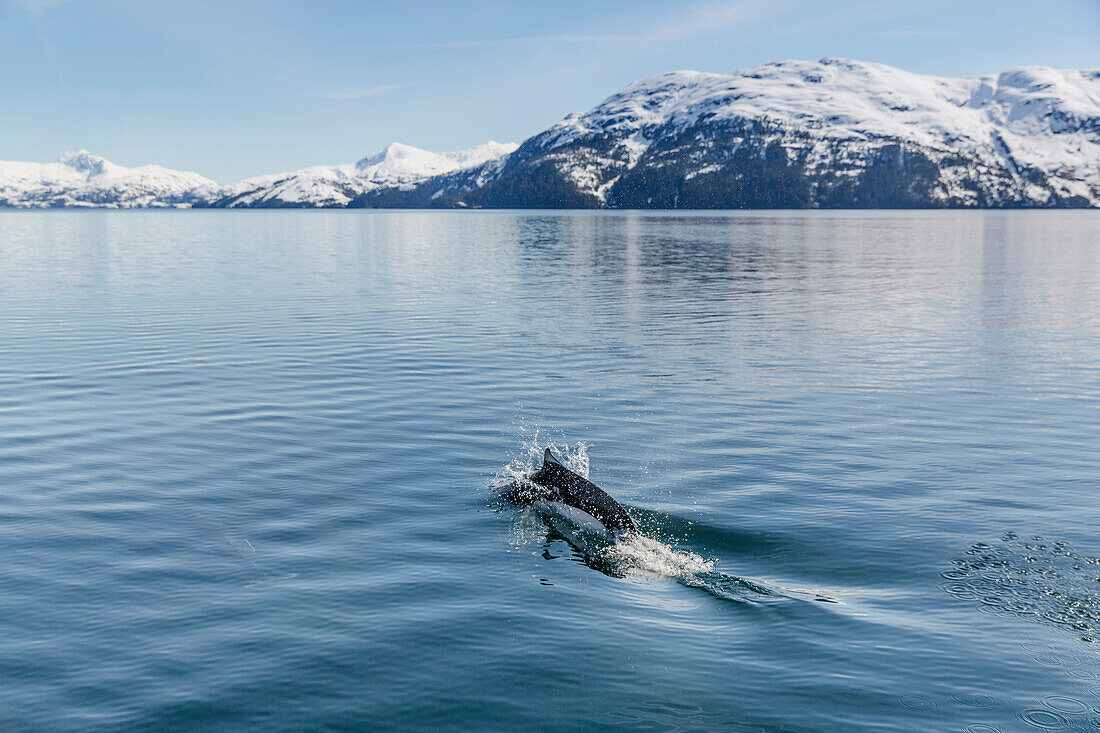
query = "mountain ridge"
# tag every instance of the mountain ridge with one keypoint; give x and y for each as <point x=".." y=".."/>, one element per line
<point x="81" y="179"/>
<point x="833" y="133"/>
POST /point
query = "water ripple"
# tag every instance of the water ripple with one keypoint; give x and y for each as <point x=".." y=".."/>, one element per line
<point x="1035" y="579"/>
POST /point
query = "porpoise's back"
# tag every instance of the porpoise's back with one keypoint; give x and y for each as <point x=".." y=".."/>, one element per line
<point x="577" y="491"/>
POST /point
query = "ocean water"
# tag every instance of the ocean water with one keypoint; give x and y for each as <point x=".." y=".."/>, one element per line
<point x="249" y="465"/>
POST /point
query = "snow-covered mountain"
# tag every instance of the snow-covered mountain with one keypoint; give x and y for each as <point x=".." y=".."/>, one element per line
<point x="829" y="133"/>
<point x="400" y="167"/>
<point x="792" y="134"/>
<point x="82" y="179"/>
<point x="85" y="180"/>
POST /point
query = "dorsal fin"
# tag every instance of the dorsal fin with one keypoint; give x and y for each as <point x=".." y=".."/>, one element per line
<point x="548" y="457"/>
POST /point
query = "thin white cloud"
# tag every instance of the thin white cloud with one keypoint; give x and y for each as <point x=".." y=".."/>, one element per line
<point x="347" y="95"/>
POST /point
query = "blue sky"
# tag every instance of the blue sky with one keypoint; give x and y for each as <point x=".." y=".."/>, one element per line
<point x="238" y="88"/>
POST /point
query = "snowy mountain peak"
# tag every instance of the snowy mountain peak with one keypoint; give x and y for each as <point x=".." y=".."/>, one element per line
<point x="397" y="166"/>
<point x="872" y="98"/>
<point x="1028" y="136"/>
<point x="400" y="162"/>
<point x="84" y="161"/>
<point x="393" y="151"/>
<point x="83" y="179"/>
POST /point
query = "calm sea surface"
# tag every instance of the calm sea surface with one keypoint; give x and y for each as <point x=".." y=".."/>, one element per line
<point x="248" y="465"/>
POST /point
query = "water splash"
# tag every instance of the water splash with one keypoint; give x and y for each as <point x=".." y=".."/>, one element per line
<point x="573" y="455"/>
<point x="647" y="557"/>
<point x="642" y="555"/>
<point x="1035" y="579"/>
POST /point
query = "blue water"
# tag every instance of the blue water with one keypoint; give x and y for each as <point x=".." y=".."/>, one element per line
<point x="249" y="463"/>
